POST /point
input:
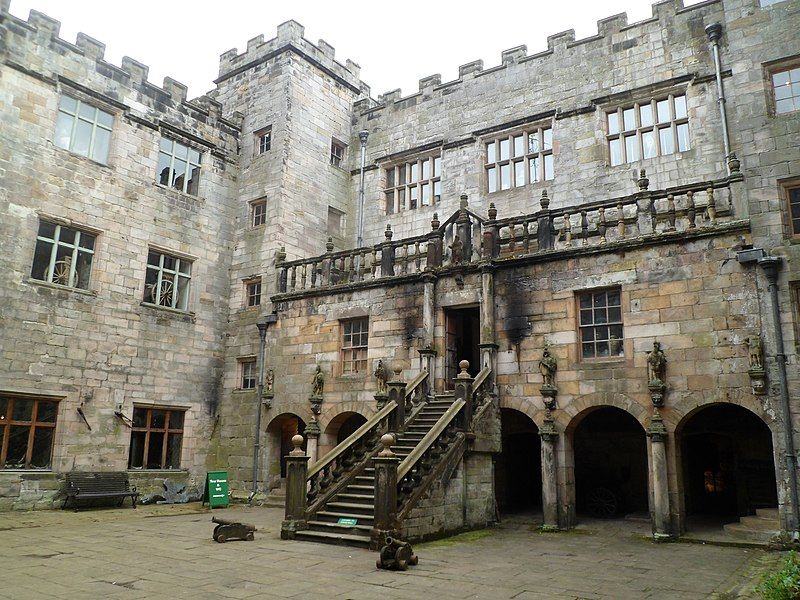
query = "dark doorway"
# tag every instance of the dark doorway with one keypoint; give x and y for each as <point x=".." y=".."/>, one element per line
<point x="281" y="430"/>
<point x="518" y="468"/>
<point x="610" y="464"/>
<point x="349" y="426"/>
<point x="462" y="336"/>
<point x="728" y="468"/>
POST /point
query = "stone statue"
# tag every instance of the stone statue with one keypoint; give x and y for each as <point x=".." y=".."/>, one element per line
<point x="269" y="382"/>
<point x="656" y="365"/>
<point x="548" y="366"/>
<point x="382" y="376"/>
<point x="318" y="382"/>
<point x="457" y="251"/>
<point x="756" y="352"/>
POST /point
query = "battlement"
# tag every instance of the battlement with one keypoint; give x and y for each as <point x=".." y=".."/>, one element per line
<point x="290" y="35"/>
<point x="43" y="30"/>
<point x="610" y="30"/>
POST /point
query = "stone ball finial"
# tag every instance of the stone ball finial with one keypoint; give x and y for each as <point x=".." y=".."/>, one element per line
<point x="643" y="182"/>
<point x="388" y="233"/>
<point x="297" y="441"/>
<point x="387" y="441"/>
<point x="463" y="365"/>
<point x="435" y="221"/>
<point x="329" y="245"/>
<point x="397" y="369"/>
<point x="492" y="211"/>
<point x="544" y="200"/>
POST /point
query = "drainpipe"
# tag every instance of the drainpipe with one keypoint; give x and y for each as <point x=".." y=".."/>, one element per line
<point x="771" y="266"/>
<point x="262" y="323"/>
<point x="714" y="32"/>
<point x="363" y="135"/>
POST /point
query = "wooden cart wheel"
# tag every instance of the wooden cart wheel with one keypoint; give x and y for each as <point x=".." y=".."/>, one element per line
<point x="61" y="271"/>
<point x="250" y="537"/>
<point x="166" y="293"/>
<point x="216" y="531"/>
<point x="401" y="557"/>
<point x="602" y="503"/>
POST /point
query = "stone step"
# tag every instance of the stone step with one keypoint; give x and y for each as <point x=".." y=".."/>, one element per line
<point x="339" y="539"/>
<point x="357" y="488"/>
<point x="742" y="532"/>
<point x="350" y="507"/>
<point x="334" y="527"/>
<point x="367" y="480"/>
<point x="770" y="513"/>
<point x="368" y="499"/>
<point x="760" y="523"/>
<point x="327" y="515"/>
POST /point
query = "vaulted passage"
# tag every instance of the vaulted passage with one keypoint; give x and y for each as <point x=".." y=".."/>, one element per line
<point x="518" y="468"/>
<point x="610" y="464"/>
<point x="279" y="434"/>
<point x="727" y="461"/>
<point x="338" y="430"/>
<point x="462" y="335"/>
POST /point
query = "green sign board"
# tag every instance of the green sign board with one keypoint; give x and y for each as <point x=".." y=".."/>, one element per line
<point x="344" y="521"/>
<point x="216" y="489"/>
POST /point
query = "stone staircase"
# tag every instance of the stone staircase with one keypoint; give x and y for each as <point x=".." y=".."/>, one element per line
<point x="357" y="500"/>
<point x="759" y="528"/>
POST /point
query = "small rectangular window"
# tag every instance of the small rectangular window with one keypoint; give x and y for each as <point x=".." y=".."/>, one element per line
<point x="83" y="129"/>
<point x="661" y="127"/>
<point x="786" y="90"/>
<point x="263" y="140"/>
<point x="355" y="337"/>
<point x="258" y="213"/>
<point x="253" y="292"/>
<point x="419" y="181"/>
<point x="27" y="428"/>
<point x="600" y="323"/>
<point x="167" y="280"/>
<point x="335" y="222"/>
<point x="156" y="438"/>
<point x="792" y="194"/>
<point x="337" y="153"/>
<point x="178" y="166"/>
<point x="63" y="255"/>
<point x="247" y="370"/>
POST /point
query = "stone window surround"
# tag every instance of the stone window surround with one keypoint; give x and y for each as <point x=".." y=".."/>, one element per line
<point x="192" y="157"/>
<point x="96" y="123"/>
<point x="790" y="190"/>
<point x="263" y="137"/>
<point x="639" y="130"/>
<point x="351" y="355"/>
<point x="147" y="429"/>
<point x="493" y="168"/>
<point x="173" y="254"/>
<point x="257" y="218"/>
<point x="252" y="294"/>
<point x="62" y="222"/>
<point x="773" y="68"/>
<point x="794" y="290"/>
<point x="579" y="294"/>
<point x="335" y="229"/>
<point x="7" y="421"/>
<point x="246" y="375"/>
<point x="337" y="153"/>
<point x="400" y="193"/>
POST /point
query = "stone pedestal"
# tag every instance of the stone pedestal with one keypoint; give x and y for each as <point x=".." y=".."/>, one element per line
<point x="312" y="433"/>
<point x="428" y="307"/>
<point x="427" y="363"/>
<point x="296" y="501"/>
<point x="316" y="404"/>
<point x="397" y="394"/>
<point x="549" y="436"/>
<point x="661" y="517"/>
<point x="385" y="522"/>
<point x="463" y="391"/>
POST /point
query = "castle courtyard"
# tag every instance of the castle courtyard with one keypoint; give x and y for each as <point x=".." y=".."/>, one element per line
<point x="167" y="551"/>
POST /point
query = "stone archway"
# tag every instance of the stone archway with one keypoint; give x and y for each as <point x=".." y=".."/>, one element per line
<point x="518" y="467"/>
<point x="338" y="429"/>
<point x="278" y="444"/>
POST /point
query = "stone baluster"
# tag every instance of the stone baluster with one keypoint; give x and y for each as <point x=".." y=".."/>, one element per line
<point x="397" y="393"/>
<point x="584" y="228"/>
<point x="314" y="268"/>
<point x="385" y="495"/>
<point x="601" y="225"/>
<point x="387" y="254"/>
<point x="433" y="258"/>
<point x="303" y="276"/>
<point x="691" y="211"/>
<point x="328" y="266"/>
<point x="293" y="283"/>
<point x="463" y="391"/>
<point x="620" y="221"/>
<point x="373" y="262"/>
<point x="296" y="500"/>
<point x="544" y="232"/>
<point x="670" y="213"/>
<point x="526" y="237"/>
<point x="567" y="229"/>
<point x="417" y="257"/>
<point x="711" y="209"/>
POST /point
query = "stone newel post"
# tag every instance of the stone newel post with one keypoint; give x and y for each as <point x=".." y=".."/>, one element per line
<point x="312" y="432"/>
<point x="397" y="392"/>
<point x="549" y="436"/>
<point x="463" y="391"/>
<point x="661" y="518"/>
<point x="296" y="503"/>
<point x="426" y="363"/>
<point x="385" y="521"/>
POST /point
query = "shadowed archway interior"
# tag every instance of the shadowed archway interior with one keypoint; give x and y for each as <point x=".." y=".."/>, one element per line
<point x="518" y="468"/>
<point x="280" y="431"/>
<point x="610" y="450"/>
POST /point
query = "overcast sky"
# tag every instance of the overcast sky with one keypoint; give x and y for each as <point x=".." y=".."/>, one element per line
<point x="396" y="43"/>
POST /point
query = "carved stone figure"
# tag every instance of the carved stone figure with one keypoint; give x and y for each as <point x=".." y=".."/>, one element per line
<point x="318" y="382"/>
<point x="548" y="366"/>
<point x="656" y="365"/>
<point x="756" y="352"/>
<point x="382" y="376"/>
<point x="457" y="251"/>
<point x="269" y="382"/>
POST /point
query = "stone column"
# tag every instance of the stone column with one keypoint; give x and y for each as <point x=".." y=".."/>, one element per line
<point x="428" y="307"/>
<point x="549" y="436"/>
<point x="296" y="502"/>
<point x="385" y="522"/>
<point x="463" y="391"/>
<point x="427" y="363"/>
<point x="397" y="393"/>
<point x="661" y="518"/>
<point x="487" y="304"/>
<point x="312" y="440"/>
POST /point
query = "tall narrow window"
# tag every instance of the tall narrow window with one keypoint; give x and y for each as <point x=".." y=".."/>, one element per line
<point x="519" y="159"/>
<point x="258" y="213"/>
<point x="167" y="280"/>
<point x="83" y="129"/>
<point x="252" y="292"/>
<point x="27" y="427"/>
<point x="247" y="373"/>
<point x="63" y="255"/>
<point x="156" y="438"/>
<point x="647" y="129"/>
<point x="337" y="153"/>
<point x="263" y="140"/>
<point x="601" y="323"/>
<point x="413" y="184"/>
<point x="355" y="337"/>
<point x="178" y="166"/>
<point x="335" y="222"/>
<point x="793" y="208"/>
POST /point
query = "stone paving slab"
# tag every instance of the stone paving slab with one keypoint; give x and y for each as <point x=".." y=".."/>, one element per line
<point x="167" y="551"/>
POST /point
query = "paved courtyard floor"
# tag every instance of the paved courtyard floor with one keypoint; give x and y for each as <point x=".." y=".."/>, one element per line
<point x="167" y="552"/>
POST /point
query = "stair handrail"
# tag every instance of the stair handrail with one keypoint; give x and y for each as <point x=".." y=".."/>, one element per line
<point x="414" y="385"/>
<point x="410" y="461"/>
<point x="481" y="377"/>
<point x="373" y="421"/>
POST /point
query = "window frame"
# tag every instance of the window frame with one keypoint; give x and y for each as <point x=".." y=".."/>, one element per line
<point x="260" y="135"/>
<point x="493" y="168"/>
<point x="255" y="214"/>
<point x="638" y="131"/>
<point x="785" y="66"/>
<point x="350" y="365"/>
<point x="252" y="294"/>
<point x="334" y="215"/>
<point x="7" y="422"/>
<point x="787" y="188"/>
<point x="159" y="279"/>
<point x="166" y="430"/>
<point x="337" y="153"/>
<point x="247" y="372"/>
<point x="398" y="195"/>
<point x="184" y="189"/>
<point x="77" y="252"/>
<point x="594" y="325"/>
<point x="95" y="125"/>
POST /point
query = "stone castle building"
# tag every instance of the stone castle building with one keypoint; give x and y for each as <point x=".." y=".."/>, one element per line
<point x="605" y="230"/>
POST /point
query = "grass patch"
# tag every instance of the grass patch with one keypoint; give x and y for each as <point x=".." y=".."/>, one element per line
<point x="785" y="583"/>
<point x="461" y="538"/>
